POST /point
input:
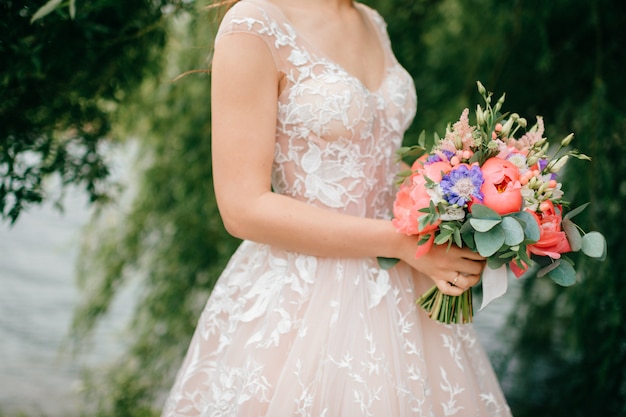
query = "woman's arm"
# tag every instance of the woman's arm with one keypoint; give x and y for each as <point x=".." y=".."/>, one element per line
<point x="244" y="90"/>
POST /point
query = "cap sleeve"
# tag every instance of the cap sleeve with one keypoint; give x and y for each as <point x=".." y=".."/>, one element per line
<point x="247" y="18"/>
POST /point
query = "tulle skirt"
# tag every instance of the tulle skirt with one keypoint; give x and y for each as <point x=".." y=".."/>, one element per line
<point x="284" y="334"/>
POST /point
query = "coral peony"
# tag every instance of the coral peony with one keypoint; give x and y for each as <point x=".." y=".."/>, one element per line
<point x="553" y="240"/>
<point x="501" y="189"/>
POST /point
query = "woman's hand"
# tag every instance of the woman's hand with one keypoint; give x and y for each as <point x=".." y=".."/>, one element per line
<point x="453" y="269"/>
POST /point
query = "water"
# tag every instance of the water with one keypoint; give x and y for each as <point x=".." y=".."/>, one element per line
<point x="37" y="299"/>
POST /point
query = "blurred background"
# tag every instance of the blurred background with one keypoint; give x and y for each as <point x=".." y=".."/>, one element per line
<point x="110" y="240"/>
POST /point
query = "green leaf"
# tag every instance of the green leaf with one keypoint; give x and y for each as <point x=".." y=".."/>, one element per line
<point x="404" y="174"/>
<point x="495" y="262"/>
<point x="531" y="228"/>
<point x="575" y="211"/>
<point x="387" y="263"/>
<point x="443" y="237"/>
<point x="413" y="152"/>
<point x="513" y="231"/>
<point x="573" y="234"/>
<point x="481" y="211"/>
<point x="45" y="9"/>
<point x="523" y="255"/>
<point x="563" y="274"/>
<point x="483" y="225"/>
<point x="457" y="238"/>
<point x="421" y="140"/>
<point x="489" y="242"/>
<point x="466" y="228"/>
<point x="423" y="239"/>
<point x="594" y="245"/>
<point x="476" y="157"/>
<point x="544" y="271"/>
<point x="468" y="239"/>
<point x="507" y="255"/>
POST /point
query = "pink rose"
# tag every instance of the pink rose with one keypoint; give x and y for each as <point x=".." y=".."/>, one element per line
<point x="405" y="212"/>
<point x="411" y="198"/>
<point x="553" y="240"/>
<point x="501" y="189"/>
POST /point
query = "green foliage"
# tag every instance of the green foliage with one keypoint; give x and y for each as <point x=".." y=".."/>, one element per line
<point x="570" y="348"/>
<point x="60" y="82"/>
<point x="171" y="239"/>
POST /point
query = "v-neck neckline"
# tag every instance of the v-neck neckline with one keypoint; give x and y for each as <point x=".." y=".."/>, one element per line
<point x="324" y="56"/>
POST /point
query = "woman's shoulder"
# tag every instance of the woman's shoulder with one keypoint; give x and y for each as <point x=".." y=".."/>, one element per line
<point x="373" y="14"/>
<point x="249" y="16"/>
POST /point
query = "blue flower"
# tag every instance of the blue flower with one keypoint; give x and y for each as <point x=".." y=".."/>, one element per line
<point x="462" y="184"/>
<point x="436" y="158"/>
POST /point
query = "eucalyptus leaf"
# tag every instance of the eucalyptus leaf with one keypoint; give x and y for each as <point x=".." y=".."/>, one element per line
<point x="457" y="238"/>
<point x="553" y="265"/>
<point x="496" y="262"/>
<point x="531" y="228"/>
<point x="563" y="274"/>
<point x="513" y="230"/>
<point x="489" y="242"/>
<point x="467" y="228"/>
<point x="594" y="245"/>
<point x="480" y="211"/>
<point x="575" y="211"/>
<point x="573" y="235"/>
<point x="483" y="225"/>
<point x="387" y="263"/>
<point x="468" y="239"/>
<point x="507" y="255"/>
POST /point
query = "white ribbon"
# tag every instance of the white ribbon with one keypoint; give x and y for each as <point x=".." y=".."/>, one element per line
<point x="495" y="283"/>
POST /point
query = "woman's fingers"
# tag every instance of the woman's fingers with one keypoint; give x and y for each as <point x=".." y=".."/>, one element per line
<point x="465" y="253"/>
<point x="465" y="281"/>
<point x="467" y="267"/>
<point x="453" y="269"/>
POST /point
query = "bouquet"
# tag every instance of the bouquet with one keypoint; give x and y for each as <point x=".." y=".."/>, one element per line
<point x="493" y="187"/>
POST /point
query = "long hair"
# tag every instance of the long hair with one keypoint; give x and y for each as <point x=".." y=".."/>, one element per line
<point x="219" y="8"/>
<point x="223" y="4"/>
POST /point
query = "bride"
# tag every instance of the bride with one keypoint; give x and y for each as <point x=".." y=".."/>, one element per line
<point x="309" y="105"/>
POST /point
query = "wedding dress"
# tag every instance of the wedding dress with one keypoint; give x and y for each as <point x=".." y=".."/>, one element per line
<point x="287" y="334"/>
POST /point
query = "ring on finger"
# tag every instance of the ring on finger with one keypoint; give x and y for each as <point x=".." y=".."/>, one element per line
<point x="456" y="279"/>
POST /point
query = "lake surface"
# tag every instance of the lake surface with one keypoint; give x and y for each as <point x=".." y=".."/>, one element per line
<point x="37" y="299"/>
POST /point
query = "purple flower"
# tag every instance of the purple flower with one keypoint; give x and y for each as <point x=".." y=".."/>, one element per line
<point x="462" y="184"/>
<point x="437" y="158"/>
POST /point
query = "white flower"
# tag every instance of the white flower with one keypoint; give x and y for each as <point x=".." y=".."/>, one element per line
<point x="453" y="213"/>
<point x="530" y="200"/>
<point x="436" y="196"/>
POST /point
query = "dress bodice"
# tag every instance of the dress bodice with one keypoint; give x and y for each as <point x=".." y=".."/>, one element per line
<point x="335" y="138"/>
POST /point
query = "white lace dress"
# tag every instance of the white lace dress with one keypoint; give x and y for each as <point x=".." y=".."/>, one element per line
<point x="287" y="334"/>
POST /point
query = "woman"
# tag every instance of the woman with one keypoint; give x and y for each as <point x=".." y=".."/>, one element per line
<point x="308" y="107"/>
